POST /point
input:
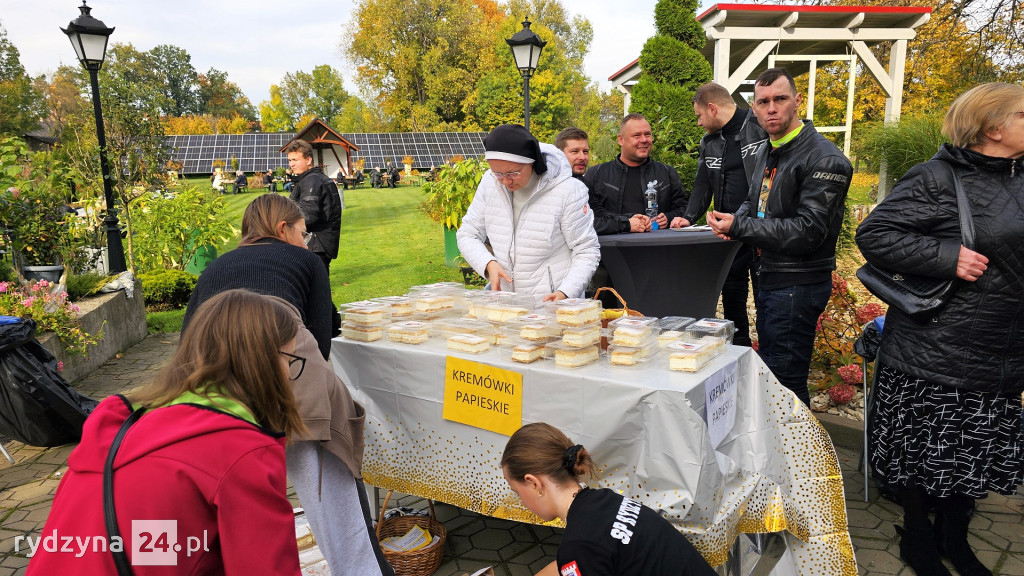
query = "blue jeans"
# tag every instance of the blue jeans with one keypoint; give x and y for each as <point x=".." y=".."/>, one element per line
<point x="786" y="322"/>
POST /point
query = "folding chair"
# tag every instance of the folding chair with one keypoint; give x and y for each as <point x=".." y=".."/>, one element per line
<point x="866" y="347"/>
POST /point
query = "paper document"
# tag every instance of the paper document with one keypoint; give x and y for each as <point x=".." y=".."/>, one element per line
<point x="414" y="539"/>
<point x="704" y="228"/>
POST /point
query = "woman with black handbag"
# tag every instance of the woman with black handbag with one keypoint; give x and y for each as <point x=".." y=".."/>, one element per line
<point x="945" y="419"/>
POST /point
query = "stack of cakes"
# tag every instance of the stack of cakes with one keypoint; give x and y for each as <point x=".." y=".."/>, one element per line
<point x="364" y="321"/>
<point x="580" y="321"/>
<point x="634" y="340"/>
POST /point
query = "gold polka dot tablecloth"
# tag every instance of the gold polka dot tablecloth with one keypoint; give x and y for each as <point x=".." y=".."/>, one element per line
<point x="775" y="470"/>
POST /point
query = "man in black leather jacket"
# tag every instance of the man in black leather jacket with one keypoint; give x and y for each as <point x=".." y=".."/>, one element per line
<point x="617" y="187"/>
<point x="725" y="166"/>
<point x="318" y="197"/>
<point x="792" y="217"/>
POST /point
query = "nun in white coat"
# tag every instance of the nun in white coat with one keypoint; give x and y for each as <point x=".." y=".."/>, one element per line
<point x="535" y="217"/>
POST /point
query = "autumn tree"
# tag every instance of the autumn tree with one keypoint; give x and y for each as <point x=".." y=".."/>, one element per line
<point x="420" y="59"/>
<point x="192" y="125"/>
<point x="560" y="94"/>
<point x="357" y="116"/>
<point x="21" y="105"/>
<point x="220" y="97"/>
<point x="673" y="70"/>
<point x="320" y="93"/>
<point x="134" y="131"/>
<point x="275" y="115"/>
<point x="177" y="79"/>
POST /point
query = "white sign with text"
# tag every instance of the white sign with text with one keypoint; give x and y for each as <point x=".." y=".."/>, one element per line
<point x="720" y="402"/>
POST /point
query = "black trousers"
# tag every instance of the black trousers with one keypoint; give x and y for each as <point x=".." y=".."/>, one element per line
<point x="735" y="291"/>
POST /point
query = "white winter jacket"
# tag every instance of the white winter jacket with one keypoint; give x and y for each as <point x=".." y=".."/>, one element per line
<point x="554" y="246"/>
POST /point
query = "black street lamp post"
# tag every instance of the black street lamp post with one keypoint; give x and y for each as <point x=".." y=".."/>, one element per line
<point x="89" y="38"/>
<point x="526" y="47"/>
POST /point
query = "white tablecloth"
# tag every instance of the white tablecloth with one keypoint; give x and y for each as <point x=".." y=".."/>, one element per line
<point x="776" y="470"/>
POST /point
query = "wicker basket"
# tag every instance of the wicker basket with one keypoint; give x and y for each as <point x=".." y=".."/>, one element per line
<point x="626" y="311"/>
<point x="423" y="562"/>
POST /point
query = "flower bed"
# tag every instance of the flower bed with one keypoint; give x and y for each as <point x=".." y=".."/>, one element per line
<point x="836" y="369"/>
<point x="80" y="335"/>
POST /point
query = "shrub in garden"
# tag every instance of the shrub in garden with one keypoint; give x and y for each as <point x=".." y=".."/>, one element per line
<point x="167" y="289"/>
<point x="451" y="192"/>
<point x="7" y="273"/>
<point x="169" y="231"/>
<point x="841" y="393"/>
<point x="81" y="285"/>
<point x="673" y="69"/>
<point x="912" y="140"/>
<point x="838" y="328"/>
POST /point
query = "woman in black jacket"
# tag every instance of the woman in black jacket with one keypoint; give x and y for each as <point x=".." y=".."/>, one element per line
<point x="945" y="423"/>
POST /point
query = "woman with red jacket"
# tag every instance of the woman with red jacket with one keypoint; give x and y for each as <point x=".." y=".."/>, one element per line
<point x="196" y="459"/>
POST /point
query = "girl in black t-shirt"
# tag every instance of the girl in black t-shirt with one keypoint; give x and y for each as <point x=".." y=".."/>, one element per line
<point x="606" y="534"/>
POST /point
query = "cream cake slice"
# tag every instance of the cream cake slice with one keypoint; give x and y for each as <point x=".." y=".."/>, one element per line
<point x="533" y="332"/>
<point x="477" y="310"/>
<point x="362" y="333"/>
<point x="687" y="356"/>
<point x="409" y="332"/>
<point x="668" y="337"/>
<point x="504" y="313"/>
<point x="527" y="353"/>
<point x="434" y="303"/>
<point x="400" y="309"/>
<point x="625" y="356"/>
<point x="574" y="358"/>
<point x="577" y="316"/>
<point x="364" y="315"/>
<point x="580" y="337"/>
<point x="469" y="343"/>
<point x="632" y="336"/>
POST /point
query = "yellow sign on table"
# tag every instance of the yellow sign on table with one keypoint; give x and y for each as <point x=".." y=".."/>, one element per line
<point x="483" y="396"/>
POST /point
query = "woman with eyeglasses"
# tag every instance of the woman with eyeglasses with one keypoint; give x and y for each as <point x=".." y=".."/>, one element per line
<point x="324" y="465"/>
<point x="201" y="447"/>
<point x="535" y="217"/>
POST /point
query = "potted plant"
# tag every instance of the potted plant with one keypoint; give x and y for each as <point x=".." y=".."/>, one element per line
<point x="34" y="210"/>
<point x="448" y="198"/>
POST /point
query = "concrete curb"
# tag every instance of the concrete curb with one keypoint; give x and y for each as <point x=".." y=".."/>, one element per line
<point x="844" y="432"/>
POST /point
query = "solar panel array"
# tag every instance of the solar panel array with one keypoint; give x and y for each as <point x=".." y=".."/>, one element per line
<point x="261" y="151"/>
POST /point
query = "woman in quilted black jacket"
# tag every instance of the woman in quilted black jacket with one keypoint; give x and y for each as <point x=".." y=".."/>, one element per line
<point x="945" y="420"/>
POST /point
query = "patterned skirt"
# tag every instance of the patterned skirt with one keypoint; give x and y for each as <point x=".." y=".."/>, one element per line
<point x="945" y="440"/>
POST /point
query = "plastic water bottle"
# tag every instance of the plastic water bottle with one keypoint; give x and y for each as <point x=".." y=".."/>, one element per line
<point x="652" y="203"/>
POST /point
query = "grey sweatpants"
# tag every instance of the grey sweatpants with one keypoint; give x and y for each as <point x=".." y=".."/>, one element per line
<point x="338" y="511"/>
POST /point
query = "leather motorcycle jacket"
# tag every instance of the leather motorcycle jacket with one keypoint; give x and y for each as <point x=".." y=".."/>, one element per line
<point x="607" y="182"/>
<point x="803" y="214"/>
<point x="710" y="182"/>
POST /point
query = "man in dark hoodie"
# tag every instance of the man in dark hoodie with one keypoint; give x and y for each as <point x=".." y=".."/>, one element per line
<point x="317" y="196"/>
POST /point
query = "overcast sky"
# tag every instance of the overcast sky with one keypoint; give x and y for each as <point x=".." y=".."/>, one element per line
<point x="257" y="41"/>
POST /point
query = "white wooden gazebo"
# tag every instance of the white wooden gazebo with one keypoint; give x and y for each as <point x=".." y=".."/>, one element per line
<point x="746" y="39"/>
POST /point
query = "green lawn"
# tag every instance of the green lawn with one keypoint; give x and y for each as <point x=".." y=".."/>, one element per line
<point x="387" y="245"/>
